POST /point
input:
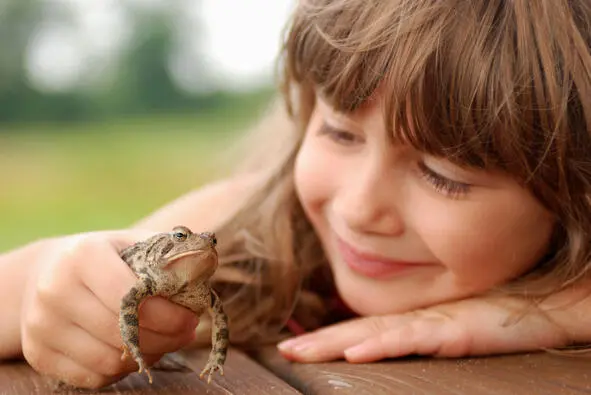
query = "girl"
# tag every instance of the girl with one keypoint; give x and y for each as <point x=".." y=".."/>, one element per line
<point x="428" y="189"/>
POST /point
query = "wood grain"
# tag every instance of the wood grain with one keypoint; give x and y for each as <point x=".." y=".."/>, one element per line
<point x="541" y="373"/>
<point x="241" y="376"/>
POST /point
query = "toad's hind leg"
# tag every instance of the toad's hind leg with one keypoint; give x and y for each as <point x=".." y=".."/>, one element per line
<point x="129" y="324"/>
<point x="219" y="338"/>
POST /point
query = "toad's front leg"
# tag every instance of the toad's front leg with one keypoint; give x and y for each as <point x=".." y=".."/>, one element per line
<point x="219" y="338"/>
<point x="129" y="323"/>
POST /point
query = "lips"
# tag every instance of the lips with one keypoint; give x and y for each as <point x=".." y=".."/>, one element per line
<point x="374" y="266"/>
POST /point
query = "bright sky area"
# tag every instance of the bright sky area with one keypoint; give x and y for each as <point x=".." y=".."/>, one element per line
<point x="241" y="40"/>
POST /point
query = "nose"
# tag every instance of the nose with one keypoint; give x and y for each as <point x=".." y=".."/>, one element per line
<point x="368" y="203"/>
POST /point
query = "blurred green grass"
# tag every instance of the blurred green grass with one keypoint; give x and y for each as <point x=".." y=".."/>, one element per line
<point x="59" y="179"/>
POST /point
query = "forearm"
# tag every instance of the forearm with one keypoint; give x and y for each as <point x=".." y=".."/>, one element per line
<point x="14" y="269"/>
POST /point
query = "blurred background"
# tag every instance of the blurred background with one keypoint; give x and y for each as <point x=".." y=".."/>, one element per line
<point x="111" y="108"/>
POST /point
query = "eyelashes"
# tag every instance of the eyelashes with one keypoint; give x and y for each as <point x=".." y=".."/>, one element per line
<point x="450" y="188"/>
<point x="339" y="136"/>
<point x="441" y="184"/>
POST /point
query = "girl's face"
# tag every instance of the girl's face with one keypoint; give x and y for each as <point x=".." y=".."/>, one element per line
<point x="403" y="230"/>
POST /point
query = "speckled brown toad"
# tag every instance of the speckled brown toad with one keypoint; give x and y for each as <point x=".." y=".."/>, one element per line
<point x="176" y="266"/>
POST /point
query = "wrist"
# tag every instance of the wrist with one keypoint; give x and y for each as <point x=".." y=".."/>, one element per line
<point x="569" y="310"/>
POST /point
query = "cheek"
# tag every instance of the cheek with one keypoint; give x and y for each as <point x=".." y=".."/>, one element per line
<point x="314" y="180"/>
<point x="484" y="246"/>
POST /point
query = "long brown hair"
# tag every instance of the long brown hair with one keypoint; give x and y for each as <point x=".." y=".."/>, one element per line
<point x="494" y="84"/>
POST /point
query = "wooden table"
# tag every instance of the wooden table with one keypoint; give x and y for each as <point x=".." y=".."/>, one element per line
<point x="266" y="372"/>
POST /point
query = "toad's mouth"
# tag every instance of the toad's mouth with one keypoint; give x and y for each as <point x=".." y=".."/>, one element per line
<point x="182" y="255"/>
<point x="193" y="265"/>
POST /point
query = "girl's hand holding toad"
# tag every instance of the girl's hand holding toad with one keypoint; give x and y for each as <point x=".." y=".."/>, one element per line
<point x="69" y="319"/>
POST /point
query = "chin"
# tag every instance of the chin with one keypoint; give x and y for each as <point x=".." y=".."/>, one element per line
<point x="367" y="298"/>
<point x="361" y="307"/>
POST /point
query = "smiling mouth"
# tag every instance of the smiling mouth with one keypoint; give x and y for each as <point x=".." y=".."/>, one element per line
<point x="374" y="266"/>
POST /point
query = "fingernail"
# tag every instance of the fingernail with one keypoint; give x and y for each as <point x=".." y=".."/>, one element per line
<point x="295" y="345"/>
<point x="287" y="344"/>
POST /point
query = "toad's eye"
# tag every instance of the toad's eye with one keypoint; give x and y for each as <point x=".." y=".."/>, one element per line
<point x="180" y="236"/>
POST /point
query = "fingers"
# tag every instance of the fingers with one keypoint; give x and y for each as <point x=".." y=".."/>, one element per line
<point x="69" y="323"/>
<point x="47" y="331"/>
<point x="48" y="339"/>
<point x="113" y="281"/>
<point x="89" y="313"/>
<point x="54" y="364"/>
<point x="165" y="317"/>
<point x="330" y="343"/>
<point x="87" y="351"/>
<point x="373" y="338"/>
<point x="418" y="337"/>
<point x="110" y="278"/>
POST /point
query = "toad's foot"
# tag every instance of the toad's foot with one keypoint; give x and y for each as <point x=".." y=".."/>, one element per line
<point x="142" y="367"/>
<point x="210" y="368"/>
<point x="140" y="361"/>
<point x="125" y="353"/>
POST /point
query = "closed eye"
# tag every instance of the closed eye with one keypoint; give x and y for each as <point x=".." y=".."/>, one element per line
<point x="450" y="188"/>
<point x="338" y="135"/>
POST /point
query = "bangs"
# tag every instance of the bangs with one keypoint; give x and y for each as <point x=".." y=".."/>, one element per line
<point x="472" y="81"/>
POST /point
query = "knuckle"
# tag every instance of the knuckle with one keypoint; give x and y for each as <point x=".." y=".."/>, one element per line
<point x="77" y="249"/>
<point x="423" y="326"/>
<point x="57" y="274"/>
<point x="62" y="268"/>
<point x="46" y="290"/>
<point x="459" y="342"/>
<point x="438" y="329"/>
<point x="378" y="324"/>
<point x="408" y="332"/>
<point x="36" y="323"/>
